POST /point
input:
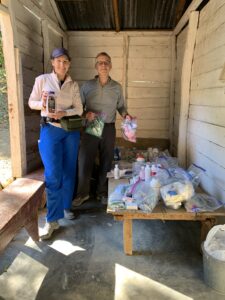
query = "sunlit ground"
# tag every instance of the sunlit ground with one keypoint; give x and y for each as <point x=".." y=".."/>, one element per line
<point x="16" y="282"/>
<point x="132" y="285"/>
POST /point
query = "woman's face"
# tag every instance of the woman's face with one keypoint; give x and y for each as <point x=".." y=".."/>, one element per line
<point x="61" y="65"/>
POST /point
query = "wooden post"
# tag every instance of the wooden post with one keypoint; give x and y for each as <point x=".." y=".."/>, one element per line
<point x="15" y="94"/>
<point x="116" y="15"/>
<point x="127" y="236"/>
<point x="172" y="91"/>
<point x="125" y="64"/>
<point x="185" y="88"/>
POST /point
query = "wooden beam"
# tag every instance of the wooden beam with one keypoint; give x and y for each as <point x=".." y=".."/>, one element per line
<point x="125" y="64"/>
<point x="183" y="21"/>
<point x="185" y="87"/>
<point x="172" y="91"/>
<point x="45" y="32"/>
<point x="3" y="9"/>
<point x="58" y="15"/>
<point x="179" y="10"/>
<point x="116" y="15"/>
<point x="15" y="97"/>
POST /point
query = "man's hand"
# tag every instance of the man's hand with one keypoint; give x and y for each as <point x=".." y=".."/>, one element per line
<point x="90" y="116"/>
<point x="128" y="117"/>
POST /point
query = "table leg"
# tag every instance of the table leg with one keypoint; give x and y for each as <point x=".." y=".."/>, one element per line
<point x="32" y="227"/>
<point x="127" y="236"/>
<point x="206" y="225"/>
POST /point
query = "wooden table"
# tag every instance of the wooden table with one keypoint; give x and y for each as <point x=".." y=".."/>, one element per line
<point x="160" y="212"/>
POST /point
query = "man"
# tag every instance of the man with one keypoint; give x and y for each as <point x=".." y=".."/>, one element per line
<point x="99" y="95"/>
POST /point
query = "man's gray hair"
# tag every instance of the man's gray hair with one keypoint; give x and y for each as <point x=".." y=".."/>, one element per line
<point x="102" y="54"/>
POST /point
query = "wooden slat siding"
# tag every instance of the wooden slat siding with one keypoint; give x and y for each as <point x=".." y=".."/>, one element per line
<point x="207" y="80"/>
<point x="31" y="63"/>
<point x="208" y="114"/>
<point x="84" y="74"/>
<point x="209" y="62"/>
<point x="149" y="63"/>
<point x="139" y="92"/>
<point x="55" y="40"/>
<point x="209" y="11"/>
<point x="26" y="17"/>
<point x="208" y="97"/>
<point x="206" y="147"/>
<point x="92" y="51"/>
<point x="24" y="30"/>
<point x="147" y="102"/>
<point x="212" y="41"/>
<point x="215" y="174"/>
<point x="214" y="21"/>
<point x="212" y="133"/>
<point x="185" y="87"/>
<point x="101" y="41"/>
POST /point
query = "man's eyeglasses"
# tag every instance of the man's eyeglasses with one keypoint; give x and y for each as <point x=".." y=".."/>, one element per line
<point x="105" y="63"/>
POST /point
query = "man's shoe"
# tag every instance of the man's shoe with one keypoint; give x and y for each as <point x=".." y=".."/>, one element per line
<point x="69" y="215"/>
<point x="79" y="200"/>
<point x="103" y="199"/>
<point x="48" y="230"/>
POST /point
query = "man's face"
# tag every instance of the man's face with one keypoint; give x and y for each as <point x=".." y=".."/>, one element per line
<point x="103" y="65"/>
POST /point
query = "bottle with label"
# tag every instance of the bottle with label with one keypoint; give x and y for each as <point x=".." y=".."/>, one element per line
<point x="51" y="105"/>
<point x="142" y="173"/>
<point x="155" y="185"/>
<point x="147" y="173"/>
<point x="116" y="172"/>
<point x="153" y="170"/>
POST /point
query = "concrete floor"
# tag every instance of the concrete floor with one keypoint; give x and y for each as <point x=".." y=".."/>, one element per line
<point x="85" y="260"/>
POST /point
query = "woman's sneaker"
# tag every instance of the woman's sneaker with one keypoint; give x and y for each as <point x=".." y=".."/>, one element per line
<point x="48" y="230"/>
<point x="79" y="200"/>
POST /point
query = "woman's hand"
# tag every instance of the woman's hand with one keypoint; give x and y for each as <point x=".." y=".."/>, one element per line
<point x="44" y="97"/>
<point x="57" y="115"/>
<point x="90" y="116"/>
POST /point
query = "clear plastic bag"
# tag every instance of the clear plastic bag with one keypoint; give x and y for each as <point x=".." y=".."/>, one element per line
<point x="202" y="202"/>
<point x="145" y="196"/>
<point x="215" y="242"/>
<point x="128" y="129"/>
<point x="195" y="172"/>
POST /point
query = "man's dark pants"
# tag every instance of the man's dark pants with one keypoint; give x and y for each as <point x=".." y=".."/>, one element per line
<point x="90" y="146"/>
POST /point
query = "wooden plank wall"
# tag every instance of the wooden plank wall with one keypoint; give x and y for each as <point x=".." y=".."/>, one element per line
<point x="206" y="124"/>
<point x="141" y="63"/>
<point x="29" y="30"/>
<point x="180" y="47"/>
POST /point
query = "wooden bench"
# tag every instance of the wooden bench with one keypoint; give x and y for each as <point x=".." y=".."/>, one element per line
<point x="160" y="212"/>
<point x="19" y="204"/>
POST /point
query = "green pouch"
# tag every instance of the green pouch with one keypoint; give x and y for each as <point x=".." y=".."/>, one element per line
<point x="95" y="127"/>
<point x="71" y="123"/>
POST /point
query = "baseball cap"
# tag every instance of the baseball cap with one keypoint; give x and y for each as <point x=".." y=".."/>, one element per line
<point x="59" y="52"/>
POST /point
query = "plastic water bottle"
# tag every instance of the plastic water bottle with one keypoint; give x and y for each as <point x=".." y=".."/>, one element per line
<point x="155" y="184"/>
<point x="147" y="173"/>
<point x="116" y="172"/>
<point x="153" y="170"/>
<point x="51" y="105"/>
<point x="142" y="173"/>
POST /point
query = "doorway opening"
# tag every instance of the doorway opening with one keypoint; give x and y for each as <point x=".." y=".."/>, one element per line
<point x="5" y="153"/>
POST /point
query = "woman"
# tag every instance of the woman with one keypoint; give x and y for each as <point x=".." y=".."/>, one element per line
<point x="58" y="148"/>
